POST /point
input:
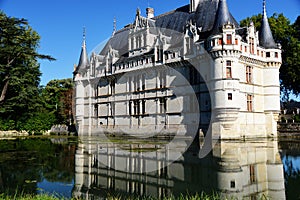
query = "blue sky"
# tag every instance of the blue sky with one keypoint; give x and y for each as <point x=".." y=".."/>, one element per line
<point x="60" y="23"/>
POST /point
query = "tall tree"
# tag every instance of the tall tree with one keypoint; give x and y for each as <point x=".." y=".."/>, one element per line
<point x="57" y="96"/>
<point x="19" y="68"/>
<point x="288" y="35"/>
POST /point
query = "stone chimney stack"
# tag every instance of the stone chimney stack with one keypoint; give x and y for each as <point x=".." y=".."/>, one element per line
<point x="150" y="12"/>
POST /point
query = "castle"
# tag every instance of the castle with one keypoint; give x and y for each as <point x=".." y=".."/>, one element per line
<point x="188" y="70"/>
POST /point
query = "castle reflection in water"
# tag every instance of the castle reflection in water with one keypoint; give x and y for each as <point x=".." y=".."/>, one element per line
<point x="245" y="170"/>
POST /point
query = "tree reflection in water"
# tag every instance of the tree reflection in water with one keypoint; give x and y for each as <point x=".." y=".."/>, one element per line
<point x="291" y="161"/>
<point x="26" y="162"/>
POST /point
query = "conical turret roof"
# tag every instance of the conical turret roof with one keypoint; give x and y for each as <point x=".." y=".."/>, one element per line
<point x="83" y="59"/>
<point x="265" y="34"/>
<point x="223" y="17"/>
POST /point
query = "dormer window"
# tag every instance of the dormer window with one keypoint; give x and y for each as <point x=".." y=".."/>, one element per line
<point x="213" y="43"/>
<point x="220" y="41"/>
<point x="228" y="39"/>
<point x="251" y="45"/>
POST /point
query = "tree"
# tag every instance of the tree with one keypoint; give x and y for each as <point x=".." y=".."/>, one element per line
<point x="19" y="68"/>
<point x="288" y="35"/>
<point x="57" y="96"/>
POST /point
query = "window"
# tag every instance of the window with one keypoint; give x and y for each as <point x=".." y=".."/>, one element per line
<point x="252" y="173"/>
<point x="249" y="103"/>
<point x="249" y="74"/>
<point x="162" y="105"/>
<point x="143" y="82"/>
<point x="232" y="184"/>
<point x="159" y="54"/>
<point x="213" y="43"/>
<point x="143" y="107"/>
<point x="113" y="86"/>
<point x="220" y="41"/>
<point x="229" y="96"/>
<point x="228" y="63"/>
<point x="162" y="78"/>
<point x="236" y="41"/>
<point x="245" y="49"/>
<point x="96" y="113"/>
<point x="268" y="54"/>
<point x="136" y="107"/>
<point x="136" y="83"/>
<point x="228" y="72"/>
<point x="173" y="55"/>
<point x="257" y="52"/>
<point x="228" y="39"/>
<point x="112" y="108"/>
<point x="167" y="56"/>
<point x="251" y="45"/>
<point x="129" y="108"/>
<point x="276" y="54"/>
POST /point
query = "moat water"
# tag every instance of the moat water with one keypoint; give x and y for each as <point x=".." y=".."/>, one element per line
<point x="92" y="168"/>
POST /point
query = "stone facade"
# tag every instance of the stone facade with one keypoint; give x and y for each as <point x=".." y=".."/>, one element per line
<point x="189" y="69"/>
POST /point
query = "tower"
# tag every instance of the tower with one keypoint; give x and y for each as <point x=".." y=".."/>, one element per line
<point x="273" y="62"/>
<point x="80" y="71"/>
<point x="265" y="34"/>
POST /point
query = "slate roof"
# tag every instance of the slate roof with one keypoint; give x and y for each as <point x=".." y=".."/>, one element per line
<point x="265" y="34"/>
<point x="83" y="59"/>
<point x="176" y="20"/>
<point x="223" y="16"/>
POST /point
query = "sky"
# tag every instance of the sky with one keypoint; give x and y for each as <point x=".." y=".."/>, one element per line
<point x="60" y="23"/>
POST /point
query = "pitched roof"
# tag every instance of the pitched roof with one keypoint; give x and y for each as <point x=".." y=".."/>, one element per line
<point x="176" y="20"/>
<point x="83" y="59"/>
<point x="265" y="34"/>
<point x="223" y="17"/>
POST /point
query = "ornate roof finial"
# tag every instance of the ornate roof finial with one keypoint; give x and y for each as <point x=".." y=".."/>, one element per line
<point x="138" y="12"/>
<point x="115" y="26"/>
<point x="84" y="33"/>
<point x="265" y="34"/>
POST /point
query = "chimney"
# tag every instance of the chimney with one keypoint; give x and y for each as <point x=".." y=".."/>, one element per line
<point x="150" y="12"/>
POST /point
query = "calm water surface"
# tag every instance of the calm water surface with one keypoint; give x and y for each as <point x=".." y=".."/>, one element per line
<point x="91" y="168"/>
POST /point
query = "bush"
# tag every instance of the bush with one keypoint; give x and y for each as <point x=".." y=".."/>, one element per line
<point x="39" y="123"/>
<point x="6" y="125"/>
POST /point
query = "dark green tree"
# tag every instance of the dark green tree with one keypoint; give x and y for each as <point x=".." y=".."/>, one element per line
<point x="19" y="69"/>
<point x="57" y="96"/>
<point x="288" y="35"/>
